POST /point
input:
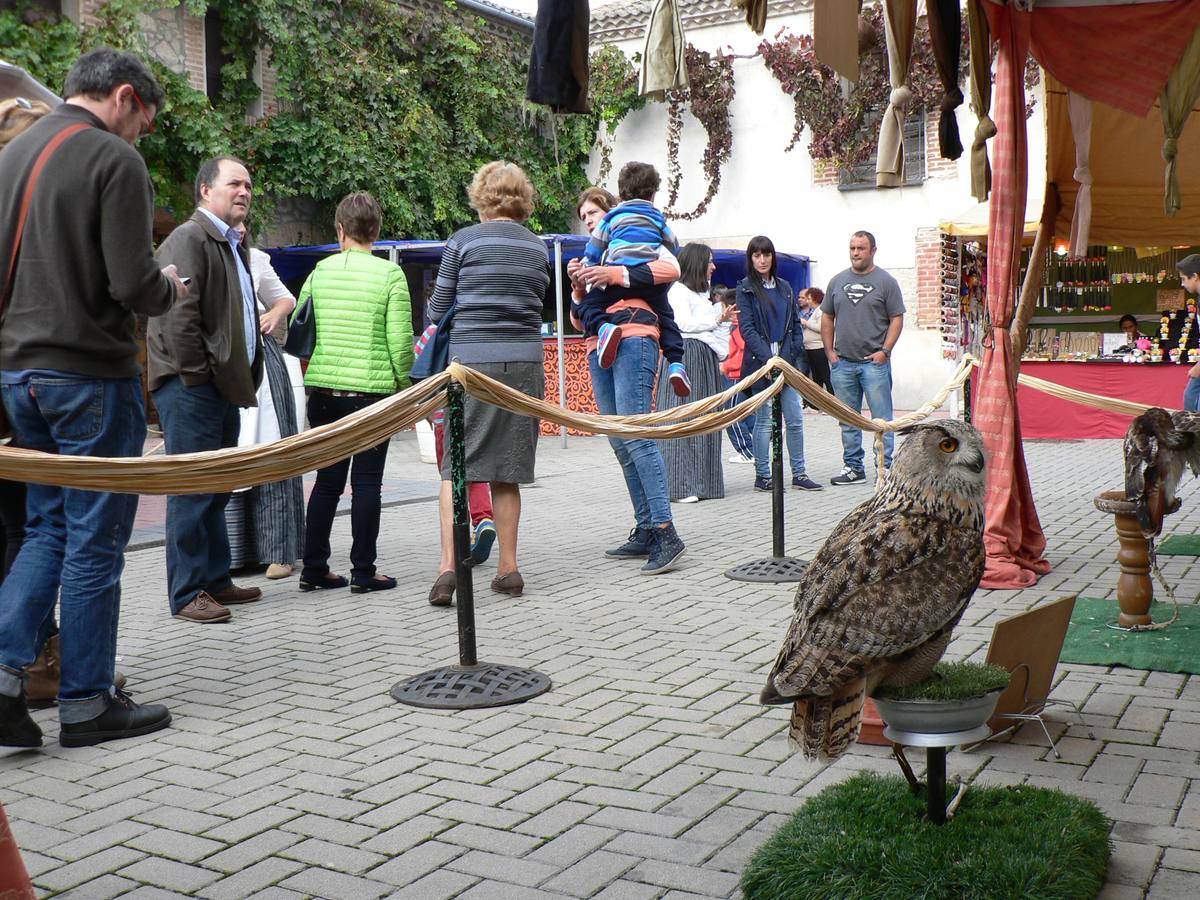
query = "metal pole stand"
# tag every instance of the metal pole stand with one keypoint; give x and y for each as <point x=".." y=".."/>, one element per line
<point x="777" y="569"/>
<point x="936" y="744"/>
<point x="471" y="684"/>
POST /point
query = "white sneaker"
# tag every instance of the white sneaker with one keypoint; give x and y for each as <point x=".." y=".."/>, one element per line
<point x="738" y="460"/>
<point x="691" y="499"/>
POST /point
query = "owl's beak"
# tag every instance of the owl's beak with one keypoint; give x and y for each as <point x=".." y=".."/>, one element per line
<point x="975" y="465"/>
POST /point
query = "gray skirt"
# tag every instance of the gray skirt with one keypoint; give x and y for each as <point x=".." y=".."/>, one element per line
<point x="693" y="464"/>
<point x="501" y="446"/>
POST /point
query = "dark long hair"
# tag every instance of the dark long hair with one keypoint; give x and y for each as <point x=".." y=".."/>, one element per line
<point x="693" y="267"/>
<point x="761" y="244"/>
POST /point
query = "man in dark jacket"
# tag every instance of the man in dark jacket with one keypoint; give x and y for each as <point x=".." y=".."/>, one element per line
<point x="205" y="362"/>
<point x="70" y="378"/>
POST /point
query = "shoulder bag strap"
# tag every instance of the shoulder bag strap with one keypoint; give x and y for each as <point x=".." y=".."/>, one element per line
<point x="39" y="164"/>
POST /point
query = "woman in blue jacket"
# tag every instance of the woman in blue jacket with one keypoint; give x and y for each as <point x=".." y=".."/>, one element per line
<point x="767" y="316"/>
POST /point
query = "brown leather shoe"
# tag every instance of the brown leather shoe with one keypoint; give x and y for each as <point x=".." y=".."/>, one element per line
<point x="204" y="610"/>
<point x="234" y="595"/>
<point x="512" y="584"/>
<point x="41" y="690"/>
<point x="442" y="593"/>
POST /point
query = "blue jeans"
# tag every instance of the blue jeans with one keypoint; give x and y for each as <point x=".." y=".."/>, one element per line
<point x="741" y="434"/>
<point x="626" y="390"/>
<point x="196" y="419"/>
<point x="793" y="430"/>
<point x="74" y="549"/>
<point x="851" y="382"/>
<point x="1191" y="395"/>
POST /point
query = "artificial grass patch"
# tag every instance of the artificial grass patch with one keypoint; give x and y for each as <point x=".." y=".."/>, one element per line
<point x="951" y="681"/>
<point x="866" y="838"/>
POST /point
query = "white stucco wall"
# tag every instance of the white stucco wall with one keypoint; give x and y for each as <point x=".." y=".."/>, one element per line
<point x="765" y="190"/>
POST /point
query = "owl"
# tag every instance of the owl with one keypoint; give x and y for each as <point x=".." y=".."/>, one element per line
<point x="880" y="598"/>
<point x="1158" y="447"/>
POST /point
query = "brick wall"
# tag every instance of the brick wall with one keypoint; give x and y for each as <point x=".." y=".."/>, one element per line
<point x="935" y="166"/>
<point x="825" y="173"/>
<point x="929" y="266"/>
<point x="193" y="37"/>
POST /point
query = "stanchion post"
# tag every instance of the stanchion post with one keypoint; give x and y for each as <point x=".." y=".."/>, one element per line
<point x="464" y="585"/>
<point x="935" y="784"/>
<point x="777" y="475"/>
<point x="967" y="399"/>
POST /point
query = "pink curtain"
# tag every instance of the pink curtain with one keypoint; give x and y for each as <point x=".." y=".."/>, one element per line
<point x="1013" y="535"/>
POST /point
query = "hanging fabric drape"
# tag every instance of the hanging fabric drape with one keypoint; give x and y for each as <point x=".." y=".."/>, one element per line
<point x="1012" y="535"/>
<point x="558" y="60"/>
<point x="664" y="60"/>
<point x="981" y="99"/>
<point x="835" y="36"/>
<point x="900" y="21"/>
<point x="1178" y="97"/>
<point x="756" y="13"/>
<point x="945" y="34"/>
<point x="1080" y="110"/>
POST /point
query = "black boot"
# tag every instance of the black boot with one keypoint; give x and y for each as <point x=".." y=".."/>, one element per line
<point x="17" y="729"/>
<point x="638" y="545"/>
<point x="122" y="719"/>
<point x="666" y="549"/>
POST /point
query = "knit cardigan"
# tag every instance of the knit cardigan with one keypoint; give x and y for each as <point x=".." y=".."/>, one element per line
<point x="364" y="324"/>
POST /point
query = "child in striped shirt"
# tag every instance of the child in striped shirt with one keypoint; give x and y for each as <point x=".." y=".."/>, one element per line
<point x="633" y="233"/>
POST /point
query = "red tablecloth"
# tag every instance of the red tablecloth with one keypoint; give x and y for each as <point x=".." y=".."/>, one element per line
<point x="1043" y="416"/>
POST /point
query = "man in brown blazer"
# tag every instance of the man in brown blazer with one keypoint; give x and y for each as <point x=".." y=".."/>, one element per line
<point x="205" y="359"/>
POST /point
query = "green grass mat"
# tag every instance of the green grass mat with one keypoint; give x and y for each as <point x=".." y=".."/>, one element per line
<point x="866" y="838"/>
<point x="1091" y="642"/>
<point x="1179" y="545"/>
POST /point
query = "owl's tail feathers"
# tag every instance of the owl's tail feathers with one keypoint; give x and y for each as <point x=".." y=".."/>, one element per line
<point x="770" y="696"/>
<point x="825" y="727"/>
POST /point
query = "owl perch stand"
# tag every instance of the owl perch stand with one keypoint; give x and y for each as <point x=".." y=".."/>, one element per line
<point x="1135" y="590"/>
<point x="778" y="568"/>
<point x="471" y="684"/>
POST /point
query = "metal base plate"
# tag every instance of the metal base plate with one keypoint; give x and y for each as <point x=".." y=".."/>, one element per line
<point x="949" y="739"/>
<point x="470" y="687"/>
<point x="772" y="570"/>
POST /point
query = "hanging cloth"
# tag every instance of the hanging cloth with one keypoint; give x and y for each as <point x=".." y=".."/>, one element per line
<point x="981" y="99"/>
<point x="835" y="36"/>
<point x="1080" y="110"/>
<point x="900" y="20"/>
<point x="664" y="62"/>
<point x="1012" y="534"/>
<point x="1178" y="97"/>
<point x="945" y="35"/>
<point x="558" y="63"/>
<point x="756" y="13"/>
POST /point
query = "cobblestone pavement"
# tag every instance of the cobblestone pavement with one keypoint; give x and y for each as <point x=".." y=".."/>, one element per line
<point x="649" y="771"/>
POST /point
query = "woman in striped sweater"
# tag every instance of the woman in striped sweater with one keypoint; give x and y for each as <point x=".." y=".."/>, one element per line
<point x="495" y="275"/>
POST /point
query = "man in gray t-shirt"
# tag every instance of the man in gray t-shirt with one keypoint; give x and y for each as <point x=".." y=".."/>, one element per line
<point x="862" y="316"/>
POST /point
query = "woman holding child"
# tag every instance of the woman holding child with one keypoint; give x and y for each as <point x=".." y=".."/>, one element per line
<point x="626" y="388"/>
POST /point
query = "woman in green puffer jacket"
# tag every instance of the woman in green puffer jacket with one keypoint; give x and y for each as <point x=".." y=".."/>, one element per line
<point x="364" y="352"/>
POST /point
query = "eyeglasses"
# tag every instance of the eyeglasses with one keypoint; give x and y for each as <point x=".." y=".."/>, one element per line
<point x="145" y="114"/>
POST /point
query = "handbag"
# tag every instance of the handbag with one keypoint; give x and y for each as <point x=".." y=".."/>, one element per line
<point x="40" y="163"/>
<point x="434" y="356"/>
<point x="302" y="330"/>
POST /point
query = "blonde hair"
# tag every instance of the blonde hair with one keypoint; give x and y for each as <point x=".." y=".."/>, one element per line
<point x="18" y="114"/>
<point x="501" y="188"/>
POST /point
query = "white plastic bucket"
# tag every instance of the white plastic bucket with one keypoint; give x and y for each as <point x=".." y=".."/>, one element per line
<point x="425" y="442"/>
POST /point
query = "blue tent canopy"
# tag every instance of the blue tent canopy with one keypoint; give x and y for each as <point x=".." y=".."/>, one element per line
<point x="294" y="263"/>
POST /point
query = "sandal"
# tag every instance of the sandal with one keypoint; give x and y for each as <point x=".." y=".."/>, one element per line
<point x="326" y="582"/>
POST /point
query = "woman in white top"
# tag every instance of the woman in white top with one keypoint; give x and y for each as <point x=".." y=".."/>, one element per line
<point x="266" y="523"/>
<point x="694" y="464"/>
<point x="810" y="317"/>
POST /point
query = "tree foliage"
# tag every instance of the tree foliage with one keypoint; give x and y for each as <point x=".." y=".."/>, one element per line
<point x="372" y="96"/>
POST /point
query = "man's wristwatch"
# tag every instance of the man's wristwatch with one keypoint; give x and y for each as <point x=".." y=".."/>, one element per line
<point x="886" y="352"/>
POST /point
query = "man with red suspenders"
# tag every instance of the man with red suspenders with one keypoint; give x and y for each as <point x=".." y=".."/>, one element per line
<point x="77" y="263"/>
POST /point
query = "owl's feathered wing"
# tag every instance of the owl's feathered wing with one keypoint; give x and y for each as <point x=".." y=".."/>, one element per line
<point x="879" y="599"/>
<point x="1158" y="447"/>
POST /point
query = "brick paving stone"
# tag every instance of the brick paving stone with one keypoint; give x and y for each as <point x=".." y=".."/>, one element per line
<point x="324" y="883"/>
<point x="1171" y="884"/>
<point x="591" y="874"/>
<point x="1132" y="863"/>
<point x="687" y="878"/>
<point x="333" y="856"/>
<point x="103" y="888"/>
<point x="413" y="864"/>
<point x="174" y="845"/>
<point x="84" y="870"/>
<point x="502" y="868"/>
<point x="572" y="845"/>
<point x="251" y="881"/>
<point x="629" y="890"/>
<point x="169" y="874"/>
<point x="487" y="890"/>
<point x="436" y="886"/>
